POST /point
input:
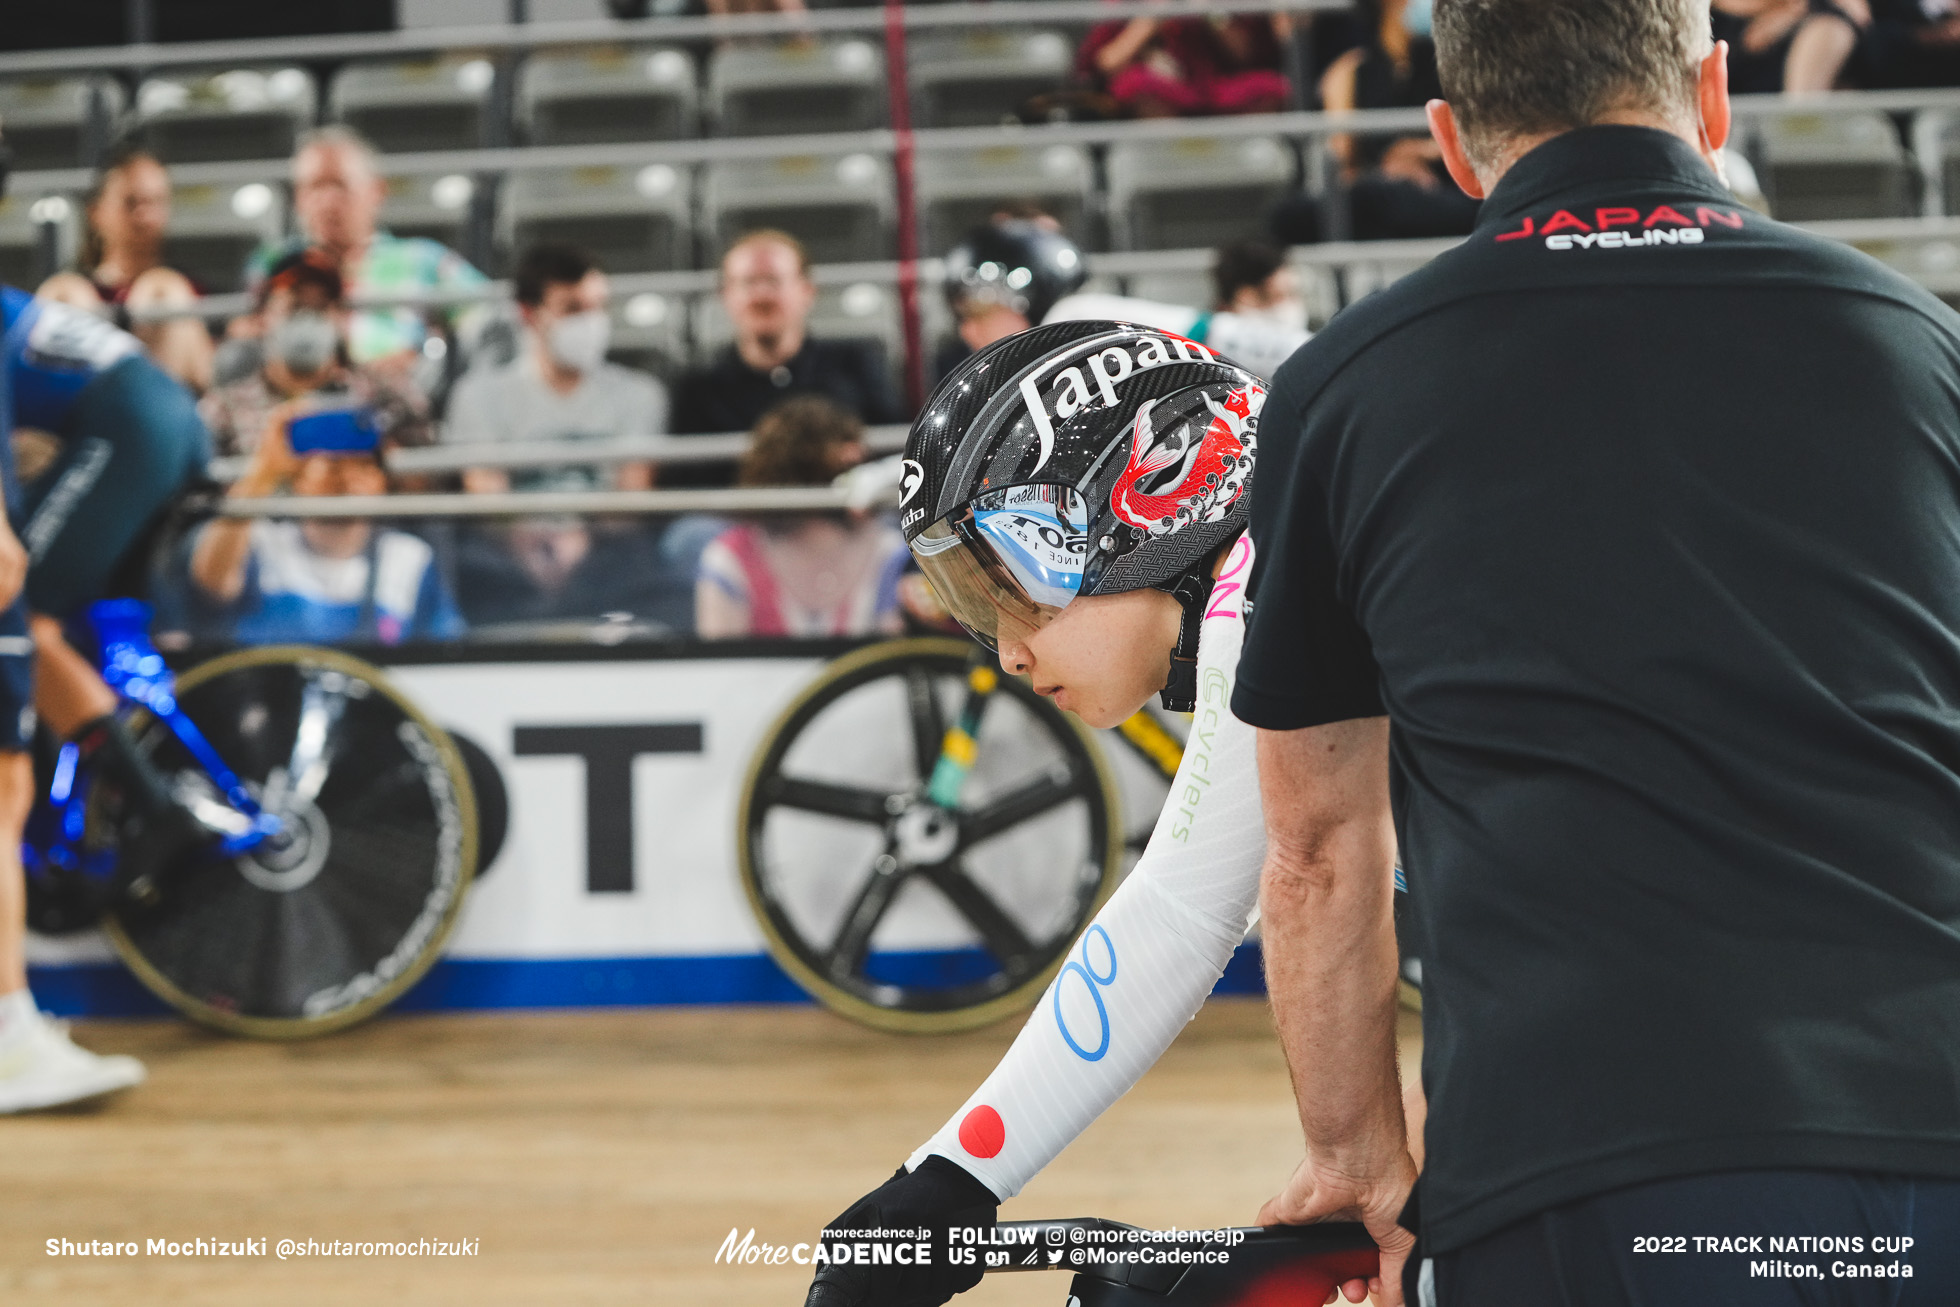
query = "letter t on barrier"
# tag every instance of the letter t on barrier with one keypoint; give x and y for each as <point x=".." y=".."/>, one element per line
<point x="608" y="752"/>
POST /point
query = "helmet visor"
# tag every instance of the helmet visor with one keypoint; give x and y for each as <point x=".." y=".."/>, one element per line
<point x="1005" y="564"/>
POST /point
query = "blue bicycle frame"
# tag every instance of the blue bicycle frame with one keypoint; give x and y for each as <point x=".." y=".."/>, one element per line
<point x="136" y="672"/>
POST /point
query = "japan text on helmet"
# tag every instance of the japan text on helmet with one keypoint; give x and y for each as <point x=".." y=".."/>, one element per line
<point x="1082" y="458"/>
<point x="1016" y="263"/>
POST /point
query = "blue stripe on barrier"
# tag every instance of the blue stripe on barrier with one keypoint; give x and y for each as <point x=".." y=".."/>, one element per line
<point x="105" y="989"/>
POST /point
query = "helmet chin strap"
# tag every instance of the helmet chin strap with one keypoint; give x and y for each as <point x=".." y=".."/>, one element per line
<point x="1192" y="591"/>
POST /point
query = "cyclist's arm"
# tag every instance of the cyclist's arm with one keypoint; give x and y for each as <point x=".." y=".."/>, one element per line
<point x="13" y="563"/>
<point x="1170" y="930"/>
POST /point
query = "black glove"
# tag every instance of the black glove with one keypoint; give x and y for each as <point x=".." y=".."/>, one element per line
<point x="939" y="1195"/>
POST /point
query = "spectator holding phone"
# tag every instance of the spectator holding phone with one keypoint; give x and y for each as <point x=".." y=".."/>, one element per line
<point x="317" y="580"/>
<point x="302" y="319"/>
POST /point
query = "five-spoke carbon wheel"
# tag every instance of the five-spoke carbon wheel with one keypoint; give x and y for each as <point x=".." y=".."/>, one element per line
<point x="331" y="922"/>
<point x="897" y="911"/>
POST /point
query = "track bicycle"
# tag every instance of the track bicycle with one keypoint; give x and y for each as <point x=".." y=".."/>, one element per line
<point x="913" y="797"/>
<point x="911" y="771"/>
<point x="345" y="833"/>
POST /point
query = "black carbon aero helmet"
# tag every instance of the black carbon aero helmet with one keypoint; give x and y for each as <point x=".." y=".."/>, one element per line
<point x="1082" y="458"/>
<point x="1017" y="263"/>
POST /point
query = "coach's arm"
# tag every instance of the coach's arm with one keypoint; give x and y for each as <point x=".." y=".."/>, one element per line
<point x="1326" y="904"/>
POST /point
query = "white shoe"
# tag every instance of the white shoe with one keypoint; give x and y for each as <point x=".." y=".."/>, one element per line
<point x="42" y="1067"/>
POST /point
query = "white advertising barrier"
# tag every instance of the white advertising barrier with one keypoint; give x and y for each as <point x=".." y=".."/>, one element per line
<point x="618" y="879"/>
<point x="623" y="781"/>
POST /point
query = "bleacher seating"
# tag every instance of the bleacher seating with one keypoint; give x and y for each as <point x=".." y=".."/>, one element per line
<point x="1138" y="192"/>
<point x="631" y="219"/>
<point x="1192" y="287"/>
<point x="424" y="204"/>
<point x="214" y="229"/>
<point x="238" y="113"/>
<point x="419" y="104"/>
<point x="649" y="331"/>
<point x="797" y="86"/>
<point x="1822" y="166"/>
<point x="47" y="119"/>
<point x="839" y="206"/>
<point x="27" y="224"/>
<point x="580" y="97"/>
<point x="978" y="77"/>
<point x="1194" y="190"/>
<point x="960" y="189"/>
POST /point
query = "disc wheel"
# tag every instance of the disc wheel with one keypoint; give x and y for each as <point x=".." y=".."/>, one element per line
<point x="321" y="930"/>
<point x="897" y="912"/>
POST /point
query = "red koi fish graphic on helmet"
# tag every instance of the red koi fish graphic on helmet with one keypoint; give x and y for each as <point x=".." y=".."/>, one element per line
<point x="1195" y="480"/>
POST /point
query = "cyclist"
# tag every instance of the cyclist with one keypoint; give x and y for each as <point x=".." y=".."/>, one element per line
<point x="1016" y="272"/>
<point x="1077" y="495"/>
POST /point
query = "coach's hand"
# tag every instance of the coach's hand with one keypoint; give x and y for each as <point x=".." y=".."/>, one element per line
<point x="1373" y="1193"/>
<point x="13" y="563"/>
<point x="938" y="1195"/>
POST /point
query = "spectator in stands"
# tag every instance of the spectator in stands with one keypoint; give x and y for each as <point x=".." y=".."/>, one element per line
<point x="317" y="580"/>
<point x="120" y="268"/>
<point x="560" y="388"/>
<point x="1003" y="278"/>
<point x="805" y="575"/>
<point x="1397" y="187"/>
<point x="302" y="321"/>
<point x="337" y="194"/>
<point x="766" y="288"/>
<point x="1253" y="280"/>
<point x="1876" y="44"/>
<point x="1762" y="33"/>
<point x="1178" y="67"/>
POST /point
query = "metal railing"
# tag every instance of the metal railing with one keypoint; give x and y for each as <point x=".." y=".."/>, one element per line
<point x="519" y="37"/>
<point x="545" y="503"/>
<point x="722" y="447"/>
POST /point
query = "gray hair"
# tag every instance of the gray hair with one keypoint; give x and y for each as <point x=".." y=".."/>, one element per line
<point x="1514" y="68"/>
<point x="339" y="136"/>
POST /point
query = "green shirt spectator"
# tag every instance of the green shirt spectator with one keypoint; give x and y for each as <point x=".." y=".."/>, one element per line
<point x="337" y="193"/>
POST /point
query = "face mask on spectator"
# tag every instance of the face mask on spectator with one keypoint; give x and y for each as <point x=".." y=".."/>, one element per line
<point x="1290" y="314"/>
<point x="579" y="340"/>
<point x="304" y="342"/>
<point x="1416" y="17"/>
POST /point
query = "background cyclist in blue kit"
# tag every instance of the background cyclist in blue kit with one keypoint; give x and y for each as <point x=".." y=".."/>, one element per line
<point x="130" y="442"/>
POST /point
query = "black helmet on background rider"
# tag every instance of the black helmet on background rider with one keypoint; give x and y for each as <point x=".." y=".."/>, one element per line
<point x="1082" y="458"/>
<point x="1021" y="264"/>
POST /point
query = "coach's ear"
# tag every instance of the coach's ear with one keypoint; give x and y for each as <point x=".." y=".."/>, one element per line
<point x="1442" y="125"/>
<point x="1712" y="99"/>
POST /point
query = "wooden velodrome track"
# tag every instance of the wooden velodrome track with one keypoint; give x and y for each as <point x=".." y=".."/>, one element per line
<point x="596" y="1157"/>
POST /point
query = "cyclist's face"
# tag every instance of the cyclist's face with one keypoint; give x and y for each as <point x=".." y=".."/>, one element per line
<point x="1102" y="657"/>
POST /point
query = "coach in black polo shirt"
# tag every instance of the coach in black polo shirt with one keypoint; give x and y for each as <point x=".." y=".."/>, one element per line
<point x="1617" y="552"/>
